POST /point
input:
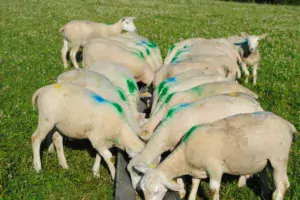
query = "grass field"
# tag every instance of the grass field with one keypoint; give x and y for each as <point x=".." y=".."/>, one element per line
<point x="30" y="58"/>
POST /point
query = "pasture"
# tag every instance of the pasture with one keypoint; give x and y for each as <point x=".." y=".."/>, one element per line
<point x="30" y="57"/>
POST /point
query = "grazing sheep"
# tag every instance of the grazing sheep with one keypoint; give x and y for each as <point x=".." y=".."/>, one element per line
<point x="238" y="145"/>
<point x="178" y="86"/>
<point x="170" y="70"/>
<point x="140" y="45"/>
<point x="182" y="117"/>
<point x="120" y="76"/>
<point x="179" y="46"/>
<point x="77" y="33"/>
<point x="79" y="113"/>
<point x="193" y="94"/>
<point x="248" y="50"/>
<point x="109" y="50"/>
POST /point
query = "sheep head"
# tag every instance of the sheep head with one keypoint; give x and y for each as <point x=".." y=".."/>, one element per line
<point x="127" y="24"/>
<point x="253" y="40"/>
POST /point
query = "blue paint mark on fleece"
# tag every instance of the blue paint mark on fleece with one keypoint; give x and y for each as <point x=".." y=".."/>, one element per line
<point x="170" y="80"/>
<point x="98" y="98"/>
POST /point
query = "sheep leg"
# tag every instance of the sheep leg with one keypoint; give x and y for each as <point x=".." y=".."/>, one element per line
<point x="194" y="190"/>
<point x="244" y="68"/>
<point x="64" y="51"/>
<point x="96" y="167"/>
<point x="73" y="53"/>
<point x="280" y="178"/>
<point x="58" y="143"/>
<point x="182" y="192"/>
<point x="254" y="68"/>
<point x="215" y="176"/>
<point x="106" y="154"/>
<point x="44" y="127"/>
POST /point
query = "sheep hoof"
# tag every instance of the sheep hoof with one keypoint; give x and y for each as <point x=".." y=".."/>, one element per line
<point x="96" y="174"/>
<point x="182" y="193"/>
<point x="242" y="181"/>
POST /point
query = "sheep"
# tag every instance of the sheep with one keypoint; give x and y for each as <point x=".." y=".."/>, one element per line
<point x="79" y="32"/>
<point x="237" y="145"/>
<point x="178" y="46"/>
<point x="120" y="76"/>
<point x="102" y="86"/>
<point x="248" y="50"/>
<point x="170" y="70"/>
<point x="108" y="50"/>
<point x="193" y="94"/>
<point x="79" y="113"/>
<point x="171" y="129"/>
<point x="185" y="76"/>
<point x="179" y="86"/>
<point x="143" y="46"/>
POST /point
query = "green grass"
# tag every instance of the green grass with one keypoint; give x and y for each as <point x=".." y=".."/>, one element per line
<point x="30" y="58"/>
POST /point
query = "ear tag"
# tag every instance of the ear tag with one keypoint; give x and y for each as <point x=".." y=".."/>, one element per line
<point x="233" y="94"/>
<point x="173" y="181"/>
<point x="58" y="85"/>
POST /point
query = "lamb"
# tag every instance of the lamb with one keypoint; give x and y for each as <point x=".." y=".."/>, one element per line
<point x="248" y="49"/>
<point x="171" y="129"/>
<point x="193" y="94"/>
<point x="77" y="33"/>
<point x="79" y="113"/>
<point x="108" y="50"/>
<point x="178" y="86"/>
<point x="237" y="145"/>
<point x="170" y="70"/>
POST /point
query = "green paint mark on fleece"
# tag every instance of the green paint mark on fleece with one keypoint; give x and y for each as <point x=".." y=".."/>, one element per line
<point x="169" y="97"/>
<point x="122" y="95"/>
<point x="118" y="107"/>
<point x="139" y="54"/>
<point x="173" y="110"/>
<point x="147" y="51"/>
<point x="164" y="92"/>
<point x="171" y="48"/>
<point x="131" y="85"/>
<point x="161" y="86"/>
<point x="198" y="90"/>
<point x="99" y="99"/>
<point x="151" y="44"/>
<point x="189" y="133"/>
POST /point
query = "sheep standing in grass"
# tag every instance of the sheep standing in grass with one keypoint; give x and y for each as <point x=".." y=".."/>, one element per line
<point x="237" y="145"/>
<point x="182" y="117"/>
<point x="188" y="96"/>
<point x="248" y="50"/>
<point x="79" y="113"/>
<point x="77" y="33"/>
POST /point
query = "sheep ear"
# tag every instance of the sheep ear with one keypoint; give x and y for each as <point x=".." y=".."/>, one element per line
<point x="244" y="35"/>
<point x="143" y="168"/>
<point x="133" y="18"/>
<point x="172" y="185"/>
<point x="263" y="36"/>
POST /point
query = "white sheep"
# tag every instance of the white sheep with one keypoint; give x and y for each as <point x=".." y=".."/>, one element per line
<point x="182" y="117"/>
<point x="109" y="50"/>
<point x="247" y="46"/>
<point x="178" y="86"/>
<point x="219" y="66"/>
<point x="79" y="32"/>
<point x="79" y="113"/>
<point x="237" y="145"/>
<point x="140" y="45"/>
<point x="193" y="94"/>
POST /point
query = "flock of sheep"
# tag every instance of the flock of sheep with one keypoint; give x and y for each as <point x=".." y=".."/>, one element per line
<point x="210" y="123"/>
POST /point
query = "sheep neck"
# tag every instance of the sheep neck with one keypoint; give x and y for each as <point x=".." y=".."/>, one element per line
<point x="115" y="29"/>
<point x="174" y="165"/>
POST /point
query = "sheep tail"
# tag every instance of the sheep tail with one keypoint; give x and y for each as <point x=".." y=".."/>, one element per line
<point x="34" y="98"/>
